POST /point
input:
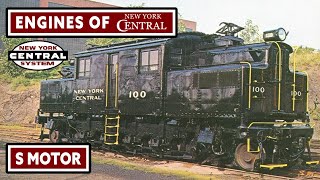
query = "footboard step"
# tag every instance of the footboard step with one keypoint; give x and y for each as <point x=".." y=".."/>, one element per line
<point x="272" y="166"/>
<point x="312" y="162"/>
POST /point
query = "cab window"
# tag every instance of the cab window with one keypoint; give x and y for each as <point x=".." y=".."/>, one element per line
<point x="84" y="67"/>
<point x="149" y="60"/>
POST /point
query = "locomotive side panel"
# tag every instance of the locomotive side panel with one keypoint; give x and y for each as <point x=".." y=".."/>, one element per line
<point x="56" y="96"/>
<point x="129" y="70"/>
<point x="97" y="85"/>
<point x="120" y="79"/>
<point x="261" y="92"/>
<point x="140" y="81"/>
<point x="89" y="91"/>
<point x="210" y="92"/>
<point x="301" y="94"/>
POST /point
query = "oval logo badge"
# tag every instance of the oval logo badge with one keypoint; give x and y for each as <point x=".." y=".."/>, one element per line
<point x="38" y="55"/>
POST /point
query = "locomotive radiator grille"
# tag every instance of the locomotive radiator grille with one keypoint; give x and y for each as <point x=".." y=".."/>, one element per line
<point x="111" y="130"/>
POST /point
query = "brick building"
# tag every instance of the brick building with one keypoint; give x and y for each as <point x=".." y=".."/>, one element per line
<point x="189" y="25"/>
<point x="72" y="45"/>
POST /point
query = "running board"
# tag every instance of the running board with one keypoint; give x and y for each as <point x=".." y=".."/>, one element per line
<point x="272" y="166"/>
<point x="312" y="162"/>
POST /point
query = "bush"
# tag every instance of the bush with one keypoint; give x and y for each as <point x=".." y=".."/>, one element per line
<point x="306" y="58"/>
<point x="37" y="74"/>
<point x="9" y="67"/>
<point x="5" y="78"/>
<point x="20" y="81"/>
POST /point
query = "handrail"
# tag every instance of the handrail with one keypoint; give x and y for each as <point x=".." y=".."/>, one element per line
<point x="279" y="75"/>
<point x="307" y="105"/>
<point x="116" y="93"/>
<point x="250" y="76"/>
<point x="279" y="122"/>
<point x="107" y="83"/>
<point x="294" y="79"/>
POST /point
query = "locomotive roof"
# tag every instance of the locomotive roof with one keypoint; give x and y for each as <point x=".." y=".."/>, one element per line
<point x="122" y="46"/>
<point x="143" y="43"/>
<point x="245" y="47"/>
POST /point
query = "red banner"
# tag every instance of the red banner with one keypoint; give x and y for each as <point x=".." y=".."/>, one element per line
<point x="91" y="22"/>
<point x="48" y="158"/>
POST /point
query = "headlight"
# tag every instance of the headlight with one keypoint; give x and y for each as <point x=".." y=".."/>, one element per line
<point x="275" y="35"/>
<point x="282" y="34"/>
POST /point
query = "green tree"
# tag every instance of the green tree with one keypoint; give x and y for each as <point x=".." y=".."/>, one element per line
<point x="251" y="33"/>
<point x="8" y="67"/>
<point x="181" y="26"/>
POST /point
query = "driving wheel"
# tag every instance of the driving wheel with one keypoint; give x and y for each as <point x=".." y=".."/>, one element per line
<point x="244" y="159"/>
<point x="54" y="136"/>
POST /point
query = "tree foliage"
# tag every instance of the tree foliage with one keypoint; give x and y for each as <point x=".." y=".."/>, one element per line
<point x="181" y="26"/>
<point x="251" y="33"/>
<point x="8" y="67"/>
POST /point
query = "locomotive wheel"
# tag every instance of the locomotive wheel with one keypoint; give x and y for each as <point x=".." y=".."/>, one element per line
<point x="54" y="136"/>
<point x="244" y="159"/>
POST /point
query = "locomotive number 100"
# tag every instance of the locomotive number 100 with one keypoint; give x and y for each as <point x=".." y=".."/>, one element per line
<point x="258" y="89"/>
<point x="296" y="93"/>
<point x="136" y="94"/>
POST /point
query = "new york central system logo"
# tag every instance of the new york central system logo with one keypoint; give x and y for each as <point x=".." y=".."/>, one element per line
<point x="38" y="55"/>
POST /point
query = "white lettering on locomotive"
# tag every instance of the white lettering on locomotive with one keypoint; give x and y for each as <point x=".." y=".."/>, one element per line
<point x="95" y="90"/>
<point x="296" y="93"/>
<point x="258" y="89"/>
<point x="81" y="94"/>
<point x="136" y="94"/>
<point x="88" y="98"/>
<point x="80" y="91"/>
<point x="90" y="91"/>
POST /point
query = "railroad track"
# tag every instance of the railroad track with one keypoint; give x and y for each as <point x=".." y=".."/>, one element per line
<point x="274" y="174"/>
<point x="19" y="125"/>
<point x="28" y="133"/>
<point x="25" y="134"/>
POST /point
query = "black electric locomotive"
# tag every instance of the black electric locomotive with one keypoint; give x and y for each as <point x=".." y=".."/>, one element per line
<point x="199" y="97"/>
